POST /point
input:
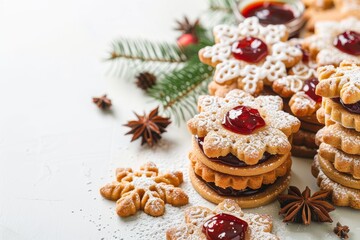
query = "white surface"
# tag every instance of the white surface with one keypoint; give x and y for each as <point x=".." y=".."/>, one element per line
<point x="57" y="149"/>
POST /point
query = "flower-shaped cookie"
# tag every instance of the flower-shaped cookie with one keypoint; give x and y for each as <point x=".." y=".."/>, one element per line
<point x="250" y="54"/>
<point x="343" y="82"/>
<point x="197" y="219"/>
<point x="335" y="41"/>
<point x="329" y="10"/>
<point x="272" y="137"/>
<point x="145" y="189"/>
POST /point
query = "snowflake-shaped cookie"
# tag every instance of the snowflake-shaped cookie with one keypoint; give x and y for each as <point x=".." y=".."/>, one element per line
<point x="219" y="141"/>
<point x="343" y="82"/>
<point x="321" y="45"/>
<point x="250" y="76"/>
<point x="259" y="225"/>
<point x="145" y="189"/>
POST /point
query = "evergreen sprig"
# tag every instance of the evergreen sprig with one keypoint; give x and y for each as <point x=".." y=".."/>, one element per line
<point x="179" y="90"/>
<point x="221" y="5"/>
<point x="220" y="12"/>
<point x="140" y="54"/>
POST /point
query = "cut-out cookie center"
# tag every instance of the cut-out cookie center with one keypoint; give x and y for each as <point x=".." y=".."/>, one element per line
<point x="309" y="89"/>
<point x="348" y="42"/>
<point x="243" y="120"/>
<point x="250" y="50"/>
<point x="225" y="227"/>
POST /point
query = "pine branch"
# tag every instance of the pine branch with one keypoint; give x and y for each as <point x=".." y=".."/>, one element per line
<point x="133" y="56"/>
<point x="221" y="5"/>
<point x="147" y="51"/>
<point x="178" y="91"/>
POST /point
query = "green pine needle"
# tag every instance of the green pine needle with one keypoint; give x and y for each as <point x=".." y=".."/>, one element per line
<point x="221" y="5"/>
<point x="147" y="51"/>
<point x="178" y="91"/>
<point x="143" y="55"/>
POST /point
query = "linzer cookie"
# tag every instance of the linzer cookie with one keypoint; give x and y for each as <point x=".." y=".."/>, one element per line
<point x="250" y="55"/>
<point x="227" y="220"/>
<point x="328" y="10"/>
<point x="334" y="42"/>
<point x="337" y="164"/>
<point x="304" y="144"/>
<point x="342" y="161"/>
<point x="146" y="189"/>
<point x="241" y="149"/>
<point x="341" y="195"/>
<point x="347" y="140"/>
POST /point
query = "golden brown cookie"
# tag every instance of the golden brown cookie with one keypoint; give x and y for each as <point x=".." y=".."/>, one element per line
<point x="218" y="90"/>
<point x="250" y="76"/>
<point x="344" y="179"/>
<point x="338" y="113"/>
<point x="323" y="118"/>
<point x="319" y="4"/>
<point x="220" y="141"/>
<point x="239" y="182"/>
<point x="340" y="82"/>
<point x="269" y="194"/>
<point x="321" y="45"/>
<point x="251" y="170"/>
<point x="347" y="140"/>
<point x="302" y="105"/>
<point x="259" y="225"/>
<point x="342" y="162"/>
<point x="341" y="195"/>
<point x="145" y="189"/>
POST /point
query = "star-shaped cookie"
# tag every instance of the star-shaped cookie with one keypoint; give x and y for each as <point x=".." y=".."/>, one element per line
<point x="259" y="225"/>
<point x="219" y="141"/>
<point x="343" y="82"/>
<point x="145" y="189"/>
<point x="250" y="75"/>
<point x="321" y="44"/>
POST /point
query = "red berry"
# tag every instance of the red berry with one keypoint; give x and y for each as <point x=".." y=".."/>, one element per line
<point x="250" y="49"/>
<point x="225" y="227"/>
<point x="348" y="42"/>
<point x="243" y="120"/>
<point x="187" y="39"/>
<point x="309" y="89"/>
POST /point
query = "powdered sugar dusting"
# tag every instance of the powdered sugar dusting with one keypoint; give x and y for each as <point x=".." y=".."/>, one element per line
<point x="228" y="68"/>
<point x="218" y="140"/>
<point x="322" y="41"/>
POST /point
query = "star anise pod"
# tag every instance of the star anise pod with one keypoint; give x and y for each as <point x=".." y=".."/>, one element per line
<point x="342" y="231"/>
<point x="148" y="127"/>
<point x="185" y="26"/>
<point x="145" y="80"/>
<point x="304" y="208"/>
<point x="102" y="102"/>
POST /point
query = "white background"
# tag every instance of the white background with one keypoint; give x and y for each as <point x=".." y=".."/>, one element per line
<point x="57" y="149"/>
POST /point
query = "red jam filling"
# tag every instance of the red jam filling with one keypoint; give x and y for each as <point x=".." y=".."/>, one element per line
<point x="354" y="108"/>
<point x="348" y="42"/>
<point x="230" y="159"/>
<point x="309" y="89"/>
<point x="305" y="54"/>
<point x="225" y="227"/>
<point x="269" y="12"/>
<point x="250" y="50"/>
<point x="243" y="120"/>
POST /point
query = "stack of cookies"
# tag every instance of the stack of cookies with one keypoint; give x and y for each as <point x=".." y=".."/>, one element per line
<point x="240" y="148"/>
<point x="337" y="165"/>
